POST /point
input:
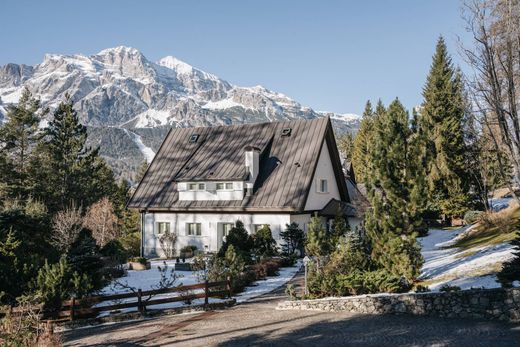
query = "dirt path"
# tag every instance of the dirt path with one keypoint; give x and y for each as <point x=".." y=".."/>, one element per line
<point x="257" y="323"/>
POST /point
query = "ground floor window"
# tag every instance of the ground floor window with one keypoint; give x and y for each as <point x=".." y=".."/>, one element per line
<point x="163" y="227"/>
<point x="257" y="227"/>
<point x="226" y="228"/>
<point x="193" y="229"/>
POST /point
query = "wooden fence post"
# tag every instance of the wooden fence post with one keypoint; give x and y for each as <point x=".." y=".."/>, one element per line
<point x="72" y="303"/>
<point x="206" y="293"/>
<point x="228" y="286"/>
<point x="140" y="307"/>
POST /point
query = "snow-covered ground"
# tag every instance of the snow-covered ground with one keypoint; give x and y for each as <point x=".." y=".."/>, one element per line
<point x="466" y="268"/>
<point x="149" y="279"/>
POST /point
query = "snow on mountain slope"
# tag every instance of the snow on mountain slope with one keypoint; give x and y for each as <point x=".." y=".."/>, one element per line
<point x="120" y="88"/>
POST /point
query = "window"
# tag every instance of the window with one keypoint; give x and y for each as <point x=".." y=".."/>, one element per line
<point x="196" y="186"/>
<point x="193" y="138"/>
<point x="163" y="227"/>
<point x="225" y="186"/>
<point x="322" y="186"/>
<point x="257" y="227"/>
<point x="193" y="229"/>
<point x="226" y="228"/>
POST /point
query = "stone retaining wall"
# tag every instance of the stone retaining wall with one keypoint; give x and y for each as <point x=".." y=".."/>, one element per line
<point x="501" y="304"/>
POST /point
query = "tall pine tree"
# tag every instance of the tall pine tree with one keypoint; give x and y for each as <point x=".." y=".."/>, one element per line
<point x="362" y="143"/>
<point x="394" y="186"/>
<point x="18" y="137"/>
<point x="70" y="170"/>
<point x="442" y="121"/>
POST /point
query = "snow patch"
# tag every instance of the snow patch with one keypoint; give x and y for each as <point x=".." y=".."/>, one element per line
<point x="152" y="118"/>
<point x="223" y="104"/>
<point x="147" y="152"/>
<point x="11" y="95"/>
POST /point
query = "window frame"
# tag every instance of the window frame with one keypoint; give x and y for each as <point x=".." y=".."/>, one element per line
<point x="319" y="188"/>
<point x="158" y="224"/>
<point x="198" y="230"/>
<point x="196" y="186"/>
<point x="226" y="186"/>
<point x="259" y="226"/>
<point x="224" y="232"/>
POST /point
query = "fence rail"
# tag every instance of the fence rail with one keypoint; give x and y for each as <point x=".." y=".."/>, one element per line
<point x="84" y="308"/>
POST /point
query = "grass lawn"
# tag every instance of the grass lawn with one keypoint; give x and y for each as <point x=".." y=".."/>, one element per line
<point x="481" y="236"/>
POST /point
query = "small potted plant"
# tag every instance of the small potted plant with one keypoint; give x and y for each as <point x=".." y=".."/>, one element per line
<point x="139" y="264"/>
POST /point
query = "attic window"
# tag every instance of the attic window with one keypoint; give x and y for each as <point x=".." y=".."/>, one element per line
<point x="286" y="132"/>
<point x="193" y="138"/>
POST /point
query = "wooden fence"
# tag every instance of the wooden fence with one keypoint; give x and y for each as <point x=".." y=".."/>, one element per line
<point x="84" y="308"/>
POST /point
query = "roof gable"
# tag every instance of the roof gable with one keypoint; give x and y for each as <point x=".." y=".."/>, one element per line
<point x="287" y="165"/>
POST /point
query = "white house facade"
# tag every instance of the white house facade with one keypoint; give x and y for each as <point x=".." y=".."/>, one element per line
<point x="203" y="180"/>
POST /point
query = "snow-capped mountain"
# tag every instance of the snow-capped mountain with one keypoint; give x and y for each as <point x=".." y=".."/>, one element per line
<point x="127" y="100"/>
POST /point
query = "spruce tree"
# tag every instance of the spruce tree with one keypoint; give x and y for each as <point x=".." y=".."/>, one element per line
<point x="70" y="171"/>
<point x="317" y="243"/>
<point x="345" y="145"/>
<point x="511" y="269"/>
<point x="442" y="120"/>
<point x="18" y="137"/>
<point x="362" y="143"/>
<point x="393" y="220"/>
<point x="293" y="238"/>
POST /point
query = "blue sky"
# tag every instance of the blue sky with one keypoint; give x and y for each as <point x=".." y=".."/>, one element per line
<point x="329" y="55"/>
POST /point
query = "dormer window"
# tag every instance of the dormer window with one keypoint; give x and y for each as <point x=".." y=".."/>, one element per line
<point x="224" y="186"/>
<point x="196" y="186"/>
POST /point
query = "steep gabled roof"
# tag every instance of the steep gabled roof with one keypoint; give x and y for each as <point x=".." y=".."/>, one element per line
<point x="287" y="165"/>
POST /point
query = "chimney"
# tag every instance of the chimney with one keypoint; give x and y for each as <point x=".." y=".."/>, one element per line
<point x="252" y="164"/>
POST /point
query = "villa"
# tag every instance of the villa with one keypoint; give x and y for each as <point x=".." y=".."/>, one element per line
<point x="203" y="180"/>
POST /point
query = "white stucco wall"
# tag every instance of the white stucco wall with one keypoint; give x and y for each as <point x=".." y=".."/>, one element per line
<point x="324" y="170"/>
<point x="209" y="225"/>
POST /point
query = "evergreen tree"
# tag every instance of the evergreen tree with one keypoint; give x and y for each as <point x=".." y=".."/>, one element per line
<point x="241" y="241"/>
<point x="317" y="243"/>
<point x="346" y="145"/>
<point x="362" y="143"/>
<point x="293" y="238"/>
<point x="339" y="229"/>
<point x="442" y="120"/>
<point x="70" y="172"/>
<point x="84" y="258"/>
<point x="24" y="246"/>
<point x="394" y="189"/>
<point x="141" y="170"/>
<point x="18" y="137"/>
<point x="264" y="243"/>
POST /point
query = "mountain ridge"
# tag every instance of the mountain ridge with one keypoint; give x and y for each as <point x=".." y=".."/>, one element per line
<point x="128" y="101"/>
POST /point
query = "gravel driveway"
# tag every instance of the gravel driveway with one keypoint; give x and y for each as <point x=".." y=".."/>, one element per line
<point x="257" y="323"/>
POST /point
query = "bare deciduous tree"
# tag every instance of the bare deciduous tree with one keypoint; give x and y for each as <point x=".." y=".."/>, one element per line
<point x="102" y="221"/>
<point x="495" y="59"/>
<point x="167" y="242"/>
<point x="66" y="226"/>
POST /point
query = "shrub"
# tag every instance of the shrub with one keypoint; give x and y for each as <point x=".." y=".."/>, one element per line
<point x="58" y="282"/>
<point x="449" y="288"/>
<point x="290" y="291"/>
<point x="288" y="260"/>
<point x="471" y="217"/>
<point x="421" y="289"/>
<point x="131" y="242"/>
<point x="293" y="238"/>
<point x="265" y="268"/>
<point x="188" y="251"/>
<point x="369" y="282"/>
<point x="241" y="241"/>
<point x="263" y="242"/>
<point x="140" y="260"/>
